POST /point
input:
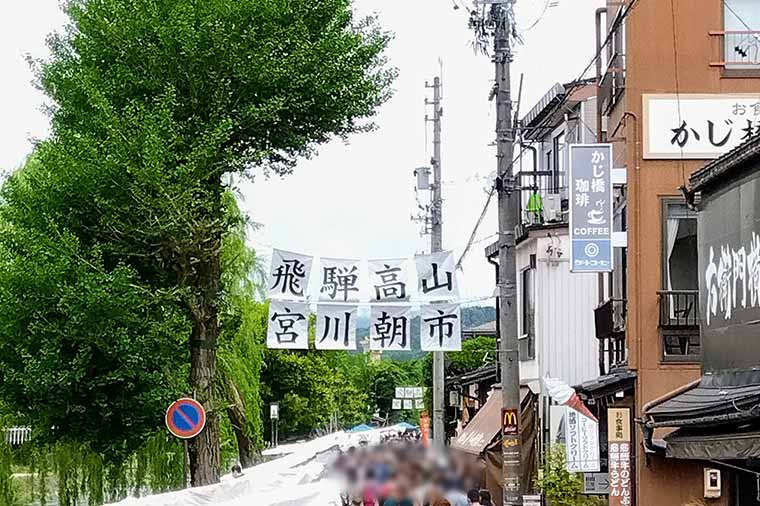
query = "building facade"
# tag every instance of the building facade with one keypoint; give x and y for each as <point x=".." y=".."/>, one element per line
<point x="679" y="84"/>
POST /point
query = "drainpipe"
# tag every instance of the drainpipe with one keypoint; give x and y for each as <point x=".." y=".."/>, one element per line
<point x="598" y="15"/>
<point x="498" y="328"/>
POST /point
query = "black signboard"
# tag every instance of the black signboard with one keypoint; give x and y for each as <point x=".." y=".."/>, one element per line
<point x="729" y="275"/>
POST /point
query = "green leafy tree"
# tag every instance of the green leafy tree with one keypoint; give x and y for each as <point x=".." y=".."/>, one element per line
<point x="152" y="103"/>
<point x="559" y="486"/>
<point x="475" y="353"/>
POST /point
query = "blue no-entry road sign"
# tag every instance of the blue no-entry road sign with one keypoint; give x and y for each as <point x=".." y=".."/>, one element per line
<point x="186" y="418"/>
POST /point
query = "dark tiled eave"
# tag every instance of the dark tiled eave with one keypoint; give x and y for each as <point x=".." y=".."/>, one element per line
<point x="734" y="161"/>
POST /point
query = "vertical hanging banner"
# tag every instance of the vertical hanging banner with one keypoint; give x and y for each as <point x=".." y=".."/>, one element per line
<point x="390" y="328"/>
<point x="436" y="275"/>
<point x="591" y="207"/>
<point x="288" y="326"/>
<point x="582" y="442"/>
<point x="336" y="327"/>
<point x="619" y="455"/>
<point x="339" y="280"/>
<point x="441" y="327"/>
<point x="389" y="280"/>
<point x="289" y="276"/>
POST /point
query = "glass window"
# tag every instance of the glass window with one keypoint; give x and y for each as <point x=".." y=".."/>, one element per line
<point x="742" y="37"/>
<point x="680" y="248"/>
<point x="558" y="168"/>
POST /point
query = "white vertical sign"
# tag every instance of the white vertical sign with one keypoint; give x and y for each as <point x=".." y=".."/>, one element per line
<point x="582" y="442"/>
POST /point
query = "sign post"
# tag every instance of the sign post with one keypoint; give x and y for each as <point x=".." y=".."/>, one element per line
<point x="274" y="416"/>
<point x="591" y="207"/>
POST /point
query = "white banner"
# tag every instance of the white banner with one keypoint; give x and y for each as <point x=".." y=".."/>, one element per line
<point x="390" y="328"/>
<point x="408" y="404"/>
<point x="389" y="280"/>
<point x="336" y="327"/>
<point x="400" y="392"/>
<point x="288" y="325"/>
<point x="436" y="276"/>
<point x="441" y="327"/>
<point x="582" y="442"/>
<point x="698" y="126"/>
<point x="289" y="275"/>
<point x="396" y="404"/>
<point x="340" y="280"/>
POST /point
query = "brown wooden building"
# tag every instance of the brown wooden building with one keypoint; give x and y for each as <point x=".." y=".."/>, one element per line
<point x="679" y="85"/>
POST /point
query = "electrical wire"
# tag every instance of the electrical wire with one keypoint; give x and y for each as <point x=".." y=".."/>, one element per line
<point x="563" y="102"/>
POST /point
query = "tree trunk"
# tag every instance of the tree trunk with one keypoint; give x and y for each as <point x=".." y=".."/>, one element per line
<point x="204" y="450"/>
<point x="236" y="413"/>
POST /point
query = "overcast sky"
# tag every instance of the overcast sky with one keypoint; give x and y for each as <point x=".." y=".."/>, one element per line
<point x="354" y="200"/>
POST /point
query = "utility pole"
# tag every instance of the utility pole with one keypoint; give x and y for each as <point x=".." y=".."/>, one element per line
<point x="436" y="244"/>
<point x="506" y="187"/>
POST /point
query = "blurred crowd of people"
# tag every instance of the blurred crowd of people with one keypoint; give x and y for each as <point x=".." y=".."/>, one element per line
<point x="402" y="472"/>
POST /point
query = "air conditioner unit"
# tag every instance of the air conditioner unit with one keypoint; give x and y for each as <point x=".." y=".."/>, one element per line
<point x="553" y="207"/>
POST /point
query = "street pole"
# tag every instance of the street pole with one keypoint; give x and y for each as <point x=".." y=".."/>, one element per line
<point x="508" y="219"/>
<point x="436" y="244"/>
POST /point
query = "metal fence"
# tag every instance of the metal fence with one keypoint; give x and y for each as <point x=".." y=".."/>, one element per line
<point x="16" y="436"/>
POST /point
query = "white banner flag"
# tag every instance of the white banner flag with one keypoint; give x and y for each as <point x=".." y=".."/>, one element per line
<point x="582" y="442"/>
<point x="288" y="325"/>
<point x="396" y="404"/>
<point x="441" y="327"/>
<point x="408" y="404"/>
<point x="389" y="280"/>
<point x="390" y="328"/>
<point x="336" y="327"/>
<point x="339" y="280"/>
<point x="436" y="276"/>
<point x="289" y="276"/>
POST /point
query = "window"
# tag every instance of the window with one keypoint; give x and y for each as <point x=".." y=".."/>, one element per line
<point x="680" y="269"/>
<point x="679" y="299"/>
<point x="527" y="347"/>
<point x="558" y="168"/>
<point x="741" y="20"/>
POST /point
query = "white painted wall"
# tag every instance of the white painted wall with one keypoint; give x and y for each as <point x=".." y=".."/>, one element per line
<point x="566" y="346"/>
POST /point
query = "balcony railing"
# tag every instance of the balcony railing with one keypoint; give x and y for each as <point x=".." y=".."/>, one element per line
<point x="609" y="319"/>
<point x="543" y="197"/>
<point x="679" y="325"/>
<point x="736" y="49"/>
<point x="612" y="83"/>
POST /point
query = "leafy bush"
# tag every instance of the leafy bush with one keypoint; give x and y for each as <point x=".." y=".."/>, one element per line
<point x="560" y="487"/>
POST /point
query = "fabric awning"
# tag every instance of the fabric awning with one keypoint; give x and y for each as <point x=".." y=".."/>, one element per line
<point x="485" y="425"/>
<point x="726" y="444"/>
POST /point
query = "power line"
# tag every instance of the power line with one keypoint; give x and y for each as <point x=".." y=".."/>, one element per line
<point x="563" y="102"/>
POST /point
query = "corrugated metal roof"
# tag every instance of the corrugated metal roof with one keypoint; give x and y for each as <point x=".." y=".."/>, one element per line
<point x="556" y="92"/>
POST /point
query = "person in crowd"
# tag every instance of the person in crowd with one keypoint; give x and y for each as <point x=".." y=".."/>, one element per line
<point x="473" y="497"/>
<point x="485" y="498"/>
